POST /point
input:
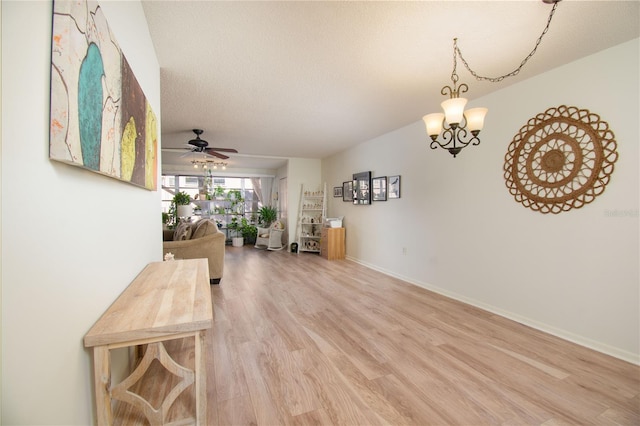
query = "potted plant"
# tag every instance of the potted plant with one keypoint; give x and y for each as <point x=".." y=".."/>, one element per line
<point x="218" y="192"/>
<point x="182" y="201"/>
<point x="234" y="196"/>
<point x="267" y="215"/>
<point x="249" y="232"/>
<point x="165" y="220"/>
<point x="237" y="240"/>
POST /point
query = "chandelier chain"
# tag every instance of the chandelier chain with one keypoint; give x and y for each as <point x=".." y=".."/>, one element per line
<point x="458" y="52"/>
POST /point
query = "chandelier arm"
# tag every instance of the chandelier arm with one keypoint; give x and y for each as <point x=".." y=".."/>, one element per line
<point x="457" y="51"/>
<point x="449" y="89"/>
<point x="454" y="138"/>
<point x="447" y="136"/>
<point x="434" y="144"/>
<point x="462" y="133"/>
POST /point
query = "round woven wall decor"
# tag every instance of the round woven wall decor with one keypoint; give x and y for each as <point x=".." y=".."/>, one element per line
<point x="560" y="160"/>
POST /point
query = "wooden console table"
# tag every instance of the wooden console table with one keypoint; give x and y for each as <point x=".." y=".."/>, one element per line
<point x="168" y="300"/>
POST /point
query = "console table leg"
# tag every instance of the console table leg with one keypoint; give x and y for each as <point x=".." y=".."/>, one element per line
<point x="102" y="377"/>
<point x="201" y="379"/>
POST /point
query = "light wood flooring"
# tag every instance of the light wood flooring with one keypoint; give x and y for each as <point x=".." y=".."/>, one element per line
<point x="301" y="340"/>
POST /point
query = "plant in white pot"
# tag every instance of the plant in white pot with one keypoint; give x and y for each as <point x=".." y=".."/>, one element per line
<point x="182" y="200"/>
<point x="237" y="240"/>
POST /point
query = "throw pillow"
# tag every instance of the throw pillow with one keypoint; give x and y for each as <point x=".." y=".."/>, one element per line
<point x="204" y="227"/>
<point x="197" y="223"/>
<point x="182" y="232"/>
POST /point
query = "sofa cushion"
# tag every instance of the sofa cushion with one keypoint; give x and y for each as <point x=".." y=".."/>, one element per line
<point x="194" y="225"/>
<point x="182" y="232"/>
<point x="203" y="228"/>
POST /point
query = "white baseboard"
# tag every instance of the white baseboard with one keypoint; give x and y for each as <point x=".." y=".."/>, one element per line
<point x="554" y="331"/>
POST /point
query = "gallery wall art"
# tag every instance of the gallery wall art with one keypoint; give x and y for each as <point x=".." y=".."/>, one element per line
<point x="347" y="191"/>
<point x="100" y="118"/>
<point x="394" y="186"/>
<point x="362" y="188"/>
<point x="379" y="188"/>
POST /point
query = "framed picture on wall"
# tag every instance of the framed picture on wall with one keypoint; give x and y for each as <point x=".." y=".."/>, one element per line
<point x="362" y="188"/>
<point x="379" y="188"/>
<point x="100" y="119"/>
<point x="337" y="191"/>
<point x="394" y="186"/>
<point x="347" y="191"/>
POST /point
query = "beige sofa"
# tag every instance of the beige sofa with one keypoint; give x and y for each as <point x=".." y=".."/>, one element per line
<point x="201" y="239"/>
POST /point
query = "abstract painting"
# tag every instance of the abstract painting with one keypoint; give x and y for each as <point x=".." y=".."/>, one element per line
<point x="100" y="118"/>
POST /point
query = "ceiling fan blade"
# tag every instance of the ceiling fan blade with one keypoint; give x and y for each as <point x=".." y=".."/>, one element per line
<point x="224" y="149"/>
<point x="215" y="154"/>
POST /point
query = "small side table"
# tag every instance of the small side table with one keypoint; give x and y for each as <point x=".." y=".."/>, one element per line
<point x="332" y="243"/>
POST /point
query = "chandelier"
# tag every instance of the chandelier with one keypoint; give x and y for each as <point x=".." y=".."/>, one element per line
<point x="459" y="128"/>
<point x="209" y="164"/>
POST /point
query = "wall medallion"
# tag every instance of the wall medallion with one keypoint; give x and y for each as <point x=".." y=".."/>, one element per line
<point x="560" y="160"/>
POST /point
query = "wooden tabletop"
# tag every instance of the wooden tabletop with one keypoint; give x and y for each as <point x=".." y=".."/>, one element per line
<point x="165" y="298"/>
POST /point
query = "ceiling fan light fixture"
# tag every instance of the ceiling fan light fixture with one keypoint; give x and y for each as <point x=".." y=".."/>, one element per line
<point x="209" y="164"/>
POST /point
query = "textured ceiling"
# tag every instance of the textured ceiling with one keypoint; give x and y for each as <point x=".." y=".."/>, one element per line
<point x="309" y="79"/>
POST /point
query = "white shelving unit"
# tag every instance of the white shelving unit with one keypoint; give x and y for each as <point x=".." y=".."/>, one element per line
<point x="220" y="210"/>
<point x="311" y="214"/>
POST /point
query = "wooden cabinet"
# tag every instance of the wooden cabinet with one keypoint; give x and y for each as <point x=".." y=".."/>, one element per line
<point x="332" y="243"/>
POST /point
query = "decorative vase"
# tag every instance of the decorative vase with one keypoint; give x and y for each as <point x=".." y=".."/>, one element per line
<point x="237" y="241"/>
<point x="185" y="211"/>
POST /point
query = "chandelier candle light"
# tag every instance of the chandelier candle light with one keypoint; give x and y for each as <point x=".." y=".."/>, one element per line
<point x="460" y="128"/>
<point x="455" y="121"/>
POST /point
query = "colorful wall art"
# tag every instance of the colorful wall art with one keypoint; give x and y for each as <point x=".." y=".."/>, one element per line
<point x="100" y="118"/>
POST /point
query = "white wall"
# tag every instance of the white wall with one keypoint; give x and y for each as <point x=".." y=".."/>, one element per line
<point x="0" y="223"/>
<point x="72" y="240"/>
<point x="575" y="274"/>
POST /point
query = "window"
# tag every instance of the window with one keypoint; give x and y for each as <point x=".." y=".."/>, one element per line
<point x="195" y="186"/>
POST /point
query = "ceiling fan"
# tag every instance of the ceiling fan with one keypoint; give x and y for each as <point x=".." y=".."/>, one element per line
<point x="200" y="145"/>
